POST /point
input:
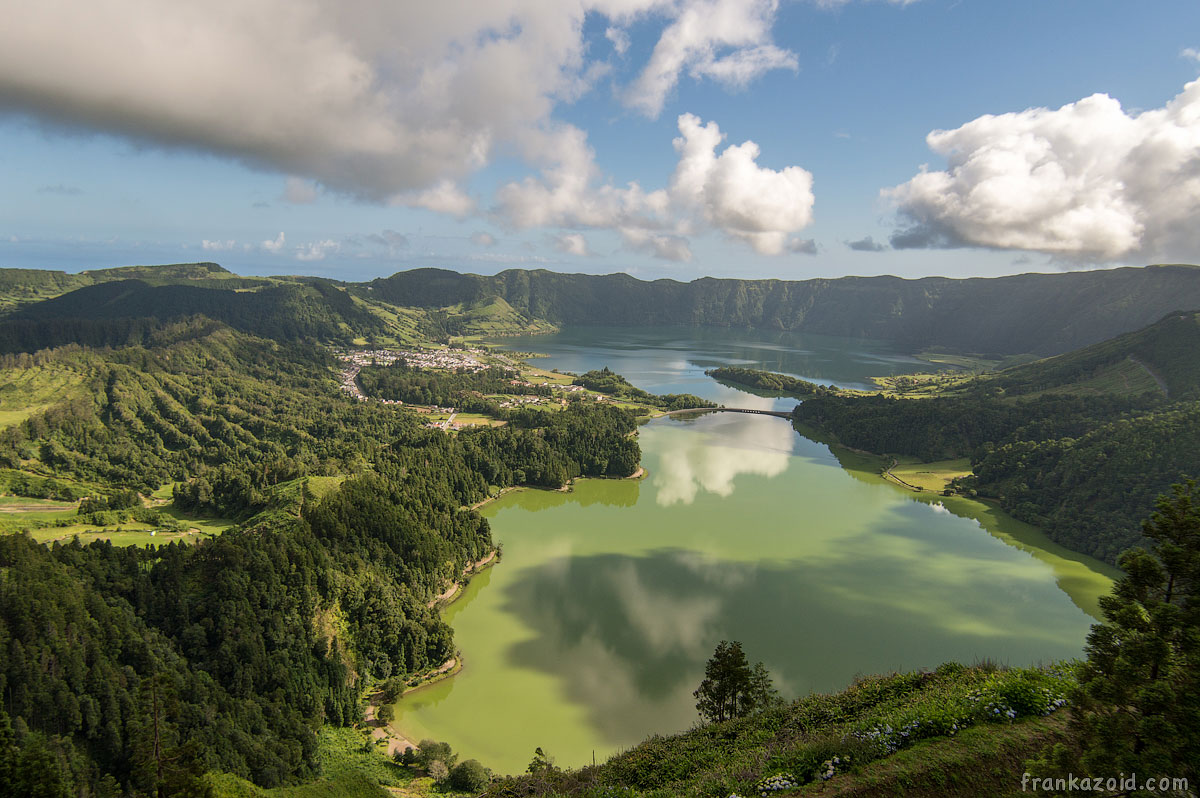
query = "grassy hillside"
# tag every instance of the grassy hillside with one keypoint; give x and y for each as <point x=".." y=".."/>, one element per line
<point x="1039" y="313"/>
<point x="952" y="732"/>
<point x="1163" y="358"/>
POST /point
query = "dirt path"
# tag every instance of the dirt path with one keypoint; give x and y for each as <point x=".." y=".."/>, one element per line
<point x="889" y="475"/>
<point x="37" y="508"/>
<point x="1162" y="384"/>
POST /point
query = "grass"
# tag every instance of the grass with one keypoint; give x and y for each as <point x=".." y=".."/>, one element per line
<point x="476" y="420"/>
<point x="954" y="731"/>
<point x="496" y="318"/>
<point x="934" y="477"/>
<point x="130" y="533"/>
<point x="26" y="391"/>
<point x="351" y="767"/>
<point x="980" y="761"/>
<point x="1123" y="378"/>
<point x="320" y="487"/>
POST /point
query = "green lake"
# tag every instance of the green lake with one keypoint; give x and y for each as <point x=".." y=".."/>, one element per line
<point x="594" y="629"/>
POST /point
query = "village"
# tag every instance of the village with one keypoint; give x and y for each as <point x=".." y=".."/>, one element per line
<point x="468" y="360"/>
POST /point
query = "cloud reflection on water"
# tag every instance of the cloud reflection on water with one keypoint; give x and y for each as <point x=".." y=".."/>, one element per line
<point x="728" y="446"/>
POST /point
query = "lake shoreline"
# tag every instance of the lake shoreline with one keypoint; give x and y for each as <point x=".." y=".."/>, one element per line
<point x="1071" y="568"/>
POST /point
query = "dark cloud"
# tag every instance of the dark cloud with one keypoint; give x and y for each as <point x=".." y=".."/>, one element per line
<point x="868" y="244"/>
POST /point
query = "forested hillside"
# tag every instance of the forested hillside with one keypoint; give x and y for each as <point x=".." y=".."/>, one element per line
<point x="1043" y="314"/>
<point x="1065" y="443"/>
<point x="135" y="669"/>
<point x="1036" y="313"/>
<point x="287" y="312"/>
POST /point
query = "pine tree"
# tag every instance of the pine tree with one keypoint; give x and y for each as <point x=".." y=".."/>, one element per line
<point x="1137" y="708"/>
<point x="731" y="687"/>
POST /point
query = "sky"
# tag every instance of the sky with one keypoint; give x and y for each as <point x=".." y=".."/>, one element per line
<point x="662" y="138"/>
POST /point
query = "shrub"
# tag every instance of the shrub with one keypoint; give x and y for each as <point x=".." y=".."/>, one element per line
<point x="469" y="776"/>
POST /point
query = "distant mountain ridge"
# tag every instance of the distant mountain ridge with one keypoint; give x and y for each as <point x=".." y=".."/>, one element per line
<point x="1040" y="314"/>
<point x="1043" y="314"/>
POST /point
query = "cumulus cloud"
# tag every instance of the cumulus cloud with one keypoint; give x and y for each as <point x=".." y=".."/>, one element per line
<point x="219" y="246"/>
<point x="1087" y="180"/>
<point x="867" y="244"/>
<point x="1190" y="53"/>
<point x="572" y="244"/>
<point x="619" y="39"/>
<point x="316" y="250"/>
<point x="276" y="246"/>
<point x="757" y="205"/>
<point x="481" y="239"/>
<point x="727" y="190"/>
<point x="391" y="102"/>
<point x="726" y="40"/>
<point x="660" y="245"/>
<point x="802" y="246"/>
<point x="299" y="191"/>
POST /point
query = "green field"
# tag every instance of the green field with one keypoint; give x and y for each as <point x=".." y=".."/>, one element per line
<point x="934" y="477"/>
<point x="25" y="391"/>
<point x="130" y="533"/>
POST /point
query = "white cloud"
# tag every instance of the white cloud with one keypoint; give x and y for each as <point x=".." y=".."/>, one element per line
<point x="389" y="102"/>
<point x="619" y="39"/>
<point x="757" y="205"/>
<point x="1086" y="180"/>
<point x="729" y="191"/>
<point x="726" y="40"/>
<point x="445" y="197"/>
<point x="316" y="250"/>
<point x="299" y="191"/>
<point x="275" y="246"/>
<point x="1190" y="53"/>
<point x="481" y="239"/>
<point x="660" y="245"/>
<point x="218" y="246"/>
<point x="572" y="244"/>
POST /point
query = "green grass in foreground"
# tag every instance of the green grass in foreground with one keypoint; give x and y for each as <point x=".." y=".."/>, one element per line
<point x="953" y="731"/>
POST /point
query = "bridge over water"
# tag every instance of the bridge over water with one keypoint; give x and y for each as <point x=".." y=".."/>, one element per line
<point x="776" y="413"/>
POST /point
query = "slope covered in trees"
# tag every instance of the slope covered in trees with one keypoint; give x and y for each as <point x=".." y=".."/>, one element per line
<point x="1039" y="313"/>
<point x="287" y="312"/>
<point x="1082" y="464"/>
<point x="1043" y="314"/>
<point x="235" y="650"/>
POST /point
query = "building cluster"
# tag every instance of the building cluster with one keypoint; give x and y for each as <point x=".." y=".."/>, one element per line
<point x="354" y="359"/>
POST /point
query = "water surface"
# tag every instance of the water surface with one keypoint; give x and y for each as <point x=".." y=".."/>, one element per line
<point x="593" y="631"/>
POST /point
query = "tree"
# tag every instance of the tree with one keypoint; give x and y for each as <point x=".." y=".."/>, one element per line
<point x="469" y="776"/>
<point x="1138" y="700"/>
<point x="731" y="687"/>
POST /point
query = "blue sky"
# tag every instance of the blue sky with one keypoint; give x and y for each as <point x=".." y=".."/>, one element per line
<point x="355" y="139"/>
